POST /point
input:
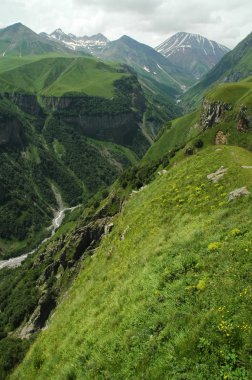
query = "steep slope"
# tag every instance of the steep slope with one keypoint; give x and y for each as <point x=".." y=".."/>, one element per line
<point x="192" y="52"/>
<point x="234" y="66"/>
<point x="18" y="40"/>
<point x="164" y="265"/>
<point x="147" y="62"/>
<point x="223" y="118"/>
<point x="167" y="293"/>
<point x="92" y="44"/>
<point x="60" y="121"/>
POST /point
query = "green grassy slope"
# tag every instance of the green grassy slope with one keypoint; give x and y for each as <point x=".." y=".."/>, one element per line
<point x="234" y="66"/>
<point x="172" y="300"/>
<point x="174" y="136"/>
<point x="236" y="94"/>
<point x="56" y="76"/>
<point x="186" y="129"/>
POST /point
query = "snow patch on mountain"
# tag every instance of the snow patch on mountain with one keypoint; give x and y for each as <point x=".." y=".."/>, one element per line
<point x="181" y="41"/>
<point x="192" y="52"/>
<point x="90" y="44"/>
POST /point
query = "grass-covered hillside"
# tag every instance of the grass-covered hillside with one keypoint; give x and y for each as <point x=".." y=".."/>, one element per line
<point x="237" y="94"/>
<point x="56" y="76"/>
<point x="235" y="102"/>
<point x="175" y="135"/>
<point x="167" y="294"/>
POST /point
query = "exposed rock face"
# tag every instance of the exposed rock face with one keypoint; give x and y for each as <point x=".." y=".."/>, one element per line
<point x="104" y="119"/>
<point x="221" y="138"/>
<point x="216" y="176"/>
<point x="243" y="120"/>
<point x="65" y="255"/>
<point x="55" y="103"/>
<point x="38" y="319"/>
<point x="26" y="102"/>
<point x="119" y="128"/>
<point x="212" y="112"/>
<point x="84" y="239"/>
<point x="238" y="193"/>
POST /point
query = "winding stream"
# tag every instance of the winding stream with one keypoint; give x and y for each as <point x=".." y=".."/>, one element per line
<point x="56" y="223"/>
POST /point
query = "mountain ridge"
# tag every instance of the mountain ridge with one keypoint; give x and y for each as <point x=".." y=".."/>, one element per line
<point x="19" y="40"/>
<point x="90" y="44"/>
<point x="193" y="52"/>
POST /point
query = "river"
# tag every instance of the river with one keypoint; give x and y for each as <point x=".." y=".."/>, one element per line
<point x="56" y="223"/>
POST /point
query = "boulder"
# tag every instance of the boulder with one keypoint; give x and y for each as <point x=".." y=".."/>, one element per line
<point x="212" y="113"/>
<point x="243" y="120"/>
<point x="216" y="176"/>
<point x="221" y="138"/>
<point x="238" y="193"/>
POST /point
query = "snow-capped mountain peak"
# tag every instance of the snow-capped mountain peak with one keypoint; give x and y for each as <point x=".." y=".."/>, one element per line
<point x="193" y="50"/>
<point x="182" y="41"/>
<point x="92" y="44"/>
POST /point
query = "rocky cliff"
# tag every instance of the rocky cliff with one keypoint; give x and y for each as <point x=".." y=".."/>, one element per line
<point x="60" y="260"/>
<point x="212" y="112"/>
<point x="28" y="103"/>
<point x="116" y="120"/>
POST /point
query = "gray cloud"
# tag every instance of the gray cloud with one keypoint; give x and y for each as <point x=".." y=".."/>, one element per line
<point x="128" y="6"/>
<point x="149" y="21"/>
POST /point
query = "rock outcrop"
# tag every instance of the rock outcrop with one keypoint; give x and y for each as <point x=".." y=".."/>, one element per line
<point x="221" y="138"/>
<point x="238" y="193"/>
<point x="212" y="113"/>
<point x="243" y="121"/>
<point x="216" y="176"/>
<point x="63" y="257"/>
<point x="28" y="103"/>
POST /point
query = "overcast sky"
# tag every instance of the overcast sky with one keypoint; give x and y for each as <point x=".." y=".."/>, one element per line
<point x="148" y="21"/>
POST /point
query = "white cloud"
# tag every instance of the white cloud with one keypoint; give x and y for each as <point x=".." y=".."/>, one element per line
<point x="149" y="21"/>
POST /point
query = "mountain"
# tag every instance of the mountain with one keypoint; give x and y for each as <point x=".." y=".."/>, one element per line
<point x="156" y="73"/>
<point x="161" y="81"/>
<point x="151" y="66"/>
<point x="192" y="52"/>
<point x="166" y="293"/>
<point x="233" y="67"/>
<point x="18" y="40"/>
<point x="92" y="44"/>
